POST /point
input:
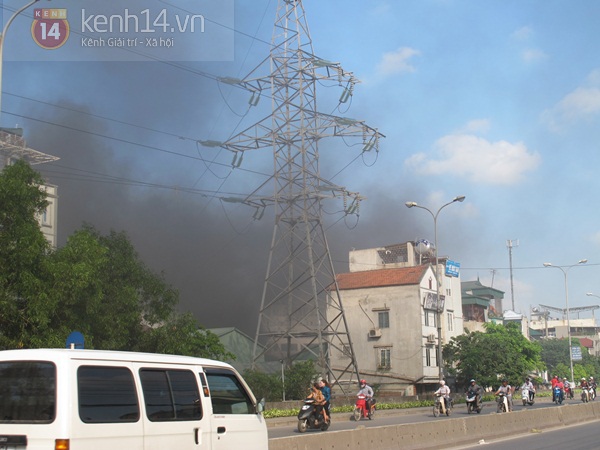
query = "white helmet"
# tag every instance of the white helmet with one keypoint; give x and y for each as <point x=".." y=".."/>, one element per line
<point x="442" y="382"/>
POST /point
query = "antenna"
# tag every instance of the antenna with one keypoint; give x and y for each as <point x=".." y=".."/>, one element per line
<point x="301" y="313"/>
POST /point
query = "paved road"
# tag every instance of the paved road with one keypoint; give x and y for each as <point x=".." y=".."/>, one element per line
<point x="577" y="437"/>
<point x="285" y="427"/>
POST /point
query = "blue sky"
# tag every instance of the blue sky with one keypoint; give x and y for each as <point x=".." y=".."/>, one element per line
<point x="496" y="100"/>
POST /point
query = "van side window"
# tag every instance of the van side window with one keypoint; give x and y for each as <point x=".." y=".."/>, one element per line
<point x="107" y="395"/>
<point x="27" y="392"/>
<point x="170" y="395"/>
<point x="228" y="395"/>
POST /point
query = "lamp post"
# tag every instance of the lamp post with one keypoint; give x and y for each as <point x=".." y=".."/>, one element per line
<point x="565" y="271"/>
<point x="2" y="36"/>
<point x="459" y="198"/>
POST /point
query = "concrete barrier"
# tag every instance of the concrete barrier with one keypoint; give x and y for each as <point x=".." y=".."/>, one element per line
<point x="440" y="433"/>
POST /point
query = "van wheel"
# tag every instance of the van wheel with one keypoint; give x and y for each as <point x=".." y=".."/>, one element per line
<point x="302" y="425"/>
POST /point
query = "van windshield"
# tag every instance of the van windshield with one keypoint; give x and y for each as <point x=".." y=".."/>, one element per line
<point x="27" y="392"/>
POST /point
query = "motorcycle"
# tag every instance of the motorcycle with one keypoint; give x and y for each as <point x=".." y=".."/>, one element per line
<point x="311" y="416"/>
<point x="558" y="396"/>
<point x="473" y="403"/>
<point x="585" y="395"/>
<point x="592" y="392"/>
<point x="361" y="410"/>
<point x="502" y="403"/>
<point x="526" y="398"/>
<point x="439" y="407"/>
<point x="568" y="392"/>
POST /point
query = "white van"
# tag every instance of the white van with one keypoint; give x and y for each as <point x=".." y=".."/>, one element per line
<point x="66" y="399"/>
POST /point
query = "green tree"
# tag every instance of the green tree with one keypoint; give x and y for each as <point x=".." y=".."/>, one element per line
<point x="23" y="257"/>
<point x="265" y="385"/>
<point x="182" y="335"/>
<point x="298" y="379"/>
<point x="500" y="352"/>
<point x="95" y="284"/>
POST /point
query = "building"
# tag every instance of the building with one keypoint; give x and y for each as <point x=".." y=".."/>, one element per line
<point x="13" y="147"/>
<point x="479" y="304"/>
<point x="390" y="299"/>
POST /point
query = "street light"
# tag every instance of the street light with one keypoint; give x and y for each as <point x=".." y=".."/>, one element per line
<point x="459" y="198"/>
<point x="19" y="11"/>
<point x="565" y="272"/>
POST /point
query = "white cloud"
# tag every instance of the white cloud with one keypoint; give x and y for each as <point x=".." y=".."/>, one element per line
<point x="523" y="33"/>
<point x="477" y="159"/>
<point x="532" y="55"/>
<point x="475" y="126"/>
<point x="595" y="238"/>
<point x="398" y="61"/>
<point x="581" y="104"/>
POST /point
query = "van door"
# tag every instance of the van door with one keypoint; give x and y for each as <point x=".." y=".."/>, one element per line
<point x="174" y="414"/>
<point x="235" y="422"/>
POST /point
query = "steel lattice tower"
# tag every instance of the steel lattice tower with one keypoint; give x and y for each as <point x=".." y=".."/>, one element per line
<point x="301" y="313"/>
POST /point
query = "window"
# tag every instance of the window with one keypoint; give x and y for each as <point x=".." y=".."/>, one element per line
<point x="384" y="360"/>
<point x="28" y="392"/>
<point x="431" y="356"/>
<point x="450" y="321"/>
<point x="430" y="318"/>
<point x="228" y="395"/>
<point x="107" y="395"/>
<point x="384" y="319"/>
<point x="170" y="395"/>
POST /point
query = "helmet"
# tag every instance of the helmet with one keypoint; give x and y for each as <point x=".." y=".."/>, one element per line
<point x="591" y="378"/>
<point x="472" y="381"/>
<point x="565" y="379"/>
<point x="505" y="380"/>
<point x="582" y="378"/>
<point x="442" y="382"/>
<point x="363" y="382"/>
<point x="527" y="379"/>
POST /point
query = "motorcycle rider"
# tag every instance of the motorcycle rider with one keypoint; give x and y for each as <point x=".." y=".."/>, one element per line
<point x="553" y="383"/>
<point x="505" y="389"/>
<point x="560" y="385"/>
<point x="568" y="389"/>
<point x="444" y="392"/>
<point x="326" y="391"/>
<point x="367" y="391"/>
<point x="475" y="389"/>
<point x="319" y="399"/>
<point x="584" y="385"/>
<point x="593" y="385"/>
<point x="529" y="386"/>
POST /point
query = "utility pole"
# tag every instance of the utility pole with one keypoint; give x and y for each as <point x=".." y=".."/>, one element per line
<point x="510" y="245"/>
<point x="301" y="313"/>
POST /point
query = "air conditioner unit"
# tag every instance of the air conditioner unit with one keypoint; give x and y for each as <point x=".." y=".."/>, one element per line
<point x="431" y="338"/>
<point x="375" y="333"/>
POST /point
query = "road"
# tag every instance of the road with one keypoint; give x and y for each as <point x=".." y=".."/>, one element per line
<point x="286" y="427"/>
<point x="578" y="437"/>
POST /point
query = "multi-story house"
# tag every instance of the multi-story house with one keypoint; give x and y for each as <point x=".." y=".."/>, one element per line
<point x="390" y="299"/>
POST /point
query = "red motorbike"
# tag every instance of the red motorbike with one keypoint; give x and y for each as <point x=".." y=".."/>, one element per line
<point x="568" y="392"/>
<point x="361" y="410"/>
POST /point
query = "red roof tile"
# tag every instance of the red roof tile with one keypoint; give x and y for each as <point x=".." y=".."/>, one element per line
<point x="382" y="277"/>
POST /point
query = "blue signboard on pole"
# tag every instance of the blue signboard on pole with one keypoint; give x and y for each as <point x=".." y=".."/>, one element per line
<point x="452" y="268"/>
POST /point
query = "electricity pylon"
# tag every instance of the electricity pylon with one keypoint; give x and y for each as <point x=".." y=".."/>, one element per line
<point x="301" y="314"/>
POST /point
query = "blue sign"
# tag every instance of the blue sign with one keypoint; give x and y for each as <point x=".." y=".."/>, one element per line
<point x="75" y="340"/>
<point x="452" y="268"/>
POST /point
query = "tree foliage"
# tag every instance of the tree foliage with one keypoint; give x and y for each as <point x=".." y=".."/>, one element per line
<point x="96" y="284"/>
<point x="23" y="257"/>
<point x="500" y="352"/>
<point x="555" y="354"/>
<point x="298" y="380"/>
